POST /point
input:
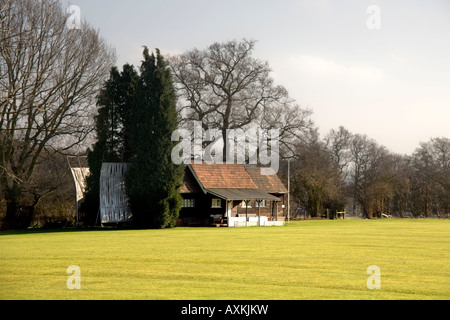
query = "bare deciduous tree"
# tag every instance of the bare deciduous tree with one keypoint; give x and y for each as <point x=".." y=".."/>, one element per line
<point x="431" y="178"/>
<point x="315" y="179"/>
<point x="376" y="177"/>
<point x="224" y="87"/>
<point x="49" y="78"/>
<point x="338" y="143"/>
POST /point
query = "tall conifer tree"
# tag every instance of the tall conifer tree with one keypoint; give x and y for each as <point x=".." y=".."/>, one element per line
<point x="153" y="180"/>
<point x="116" y="104"/>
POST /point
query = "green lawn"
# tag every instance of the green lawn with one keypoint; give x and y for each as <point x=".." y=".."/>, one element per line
<point x="304" y="260"/>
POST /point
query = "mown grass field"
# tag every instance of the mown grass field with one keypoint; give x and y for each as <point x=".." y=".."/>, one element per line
<point x="304" y="260"/>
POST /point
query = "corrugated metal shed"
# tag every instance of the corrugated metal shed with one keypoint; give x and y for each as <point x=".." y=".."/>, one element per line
<point x="114" y="206"/>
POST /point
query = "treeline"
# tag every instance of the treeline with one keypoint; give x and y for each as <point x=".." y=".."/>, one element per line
<point x="351" y="172"/>
<point x="55" y="96"/>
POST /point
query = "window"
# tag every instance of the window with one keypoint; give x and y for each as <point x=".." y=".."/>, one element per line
<point x="216" y="203"/>
<point x="261" y="203"/>
<point x="246" y="204"/>
<point x="188" y="203"/>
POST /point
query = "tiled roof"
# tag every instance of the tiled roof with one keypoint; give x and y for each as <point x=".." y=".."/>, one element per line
<point x="266" y="183"/>
<point x="223" y="176"/>
<point x="229" y="176"/>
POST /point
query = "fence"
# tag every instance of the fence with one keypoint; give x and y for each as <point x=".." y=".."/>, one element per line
<point x="253" y="222"/>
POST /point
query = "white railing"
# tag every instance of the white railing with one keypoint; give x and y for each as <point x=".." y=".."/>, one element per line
<point x="252" y="222"/>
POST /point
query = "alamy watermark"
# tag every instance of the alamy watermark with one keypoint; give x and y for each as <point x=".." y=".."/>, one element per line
<point x="74" y="19"/>
<point x="374" y="281"/>
<point x="373" y="22"/>
<point x="253" y="146"/>
<point x="74" y="280"/>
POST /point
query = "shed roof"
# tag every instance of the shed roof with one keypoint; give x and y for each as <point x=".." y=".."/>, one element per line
<point x="242" y="194"/>
<point x="231" y="182"/>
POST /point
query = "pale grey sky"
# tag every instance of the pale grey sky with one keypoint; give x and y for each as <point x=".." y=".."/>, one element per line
<point x="391" y="83"/>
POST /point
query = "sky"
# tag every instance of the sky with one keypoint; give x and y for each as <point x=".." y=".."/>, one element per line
<point x="379" y="68"/>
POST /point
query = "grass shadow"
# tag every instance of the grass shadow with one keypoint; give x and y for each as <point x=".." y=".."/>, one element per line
<point x="56" y="230"/>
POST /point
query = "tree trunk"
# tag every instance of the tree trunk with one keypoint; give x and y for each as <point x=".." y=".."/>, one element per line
<point x="225" y="146"/>
<point x="10" y="220"/>
<point x="17" y="217"/>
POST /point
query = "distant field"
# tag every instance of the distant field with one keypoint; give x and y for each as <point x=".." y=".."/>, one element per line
<point x="304" y="260"/>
